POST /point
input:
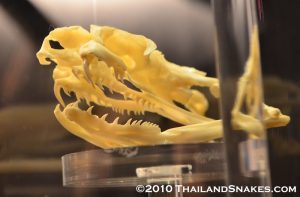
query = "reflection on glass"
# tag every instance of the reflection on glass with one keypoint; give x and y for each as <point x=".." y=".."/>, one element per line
<point x="238" y="61"/>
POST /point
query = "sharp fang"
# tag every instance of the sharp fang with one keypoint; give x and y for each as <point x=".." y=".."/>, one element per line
<point x="87" y="71"/>
<point x="58" y="95"/>
<point x="129" y="121"/>
<point x="77" y="96"/>
<point x="139" y="122"/>
<point x="134" y="122"/>
<point x="89" y="110"/>
<point x="88" y="102"/>
<point x="104" y="116"/>
<point x="100" y="86"/>
<point x="110" y="90"/>
<point x="145" y="124"/>
<point x="66" y="91"/>
<point x="116" y="121"/>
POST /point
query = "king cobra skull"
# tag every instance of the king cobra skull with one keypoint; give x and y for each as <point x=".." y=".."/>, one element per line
<point x="106" y="58"/>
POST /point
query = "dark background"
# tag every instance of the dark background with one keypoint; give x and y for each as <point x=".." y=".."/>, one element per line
<point x="183" y="30"/>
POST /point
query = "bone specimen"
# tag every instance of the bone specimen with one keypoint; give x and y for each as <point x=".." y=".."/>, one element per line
<point x="106" y="57"/>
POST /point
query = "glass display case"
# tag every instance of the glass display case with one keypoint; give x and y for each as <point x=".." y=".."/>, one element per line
<point x="207" y="42"/>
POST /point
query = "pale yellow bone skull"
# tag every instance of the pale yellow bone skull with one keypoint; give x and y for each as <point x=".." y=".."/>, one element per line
<point x="106" y="56"/>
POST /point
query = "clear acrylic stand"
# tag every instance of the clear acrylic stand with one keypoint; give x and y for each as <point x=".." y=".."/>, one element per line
<point x="147" y="165"/>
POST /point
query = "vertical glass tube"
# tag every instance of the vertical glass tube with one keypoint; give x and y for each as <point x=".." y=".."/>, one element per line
<point x="238" y="64"/>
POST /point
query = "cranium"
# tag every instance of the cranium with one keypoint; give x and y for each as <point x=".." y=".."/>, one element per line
<point x="106" y="57"/>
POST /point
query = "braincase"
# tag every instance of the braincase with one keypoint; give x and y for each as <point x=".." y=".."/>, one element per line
<point x="123" y="43"/>
<point x="70" y="37"/>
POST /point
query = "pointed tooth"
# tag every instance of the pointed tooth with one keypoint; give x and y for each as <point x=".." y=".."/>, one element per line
<point x="129" y="121"/>
<point x="116" y="121"/>
<point x="88" y="102"/>
<point x="89" y="110"/>
<point x="99" y="84"/>
<point x="134" y="122"/>
<point x="104" y="116"/>
<point x="139" y="122"/>
<point x="77" y="96"/>
<point x="110" y="90"/>
<point x="118" y="76"/>
<point x="66" y="91"/>
<point x="87" y="71"/>
<point x="58" y="95"/>
<point x="127" y="112"/>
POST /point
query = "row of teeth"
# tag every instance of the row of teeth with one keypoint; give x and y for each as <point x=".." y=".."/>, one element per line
<point x="127" y="112"/>
<point x="93" y="98"/>
<point x="130" y="95"/>
<point x="130" y="122"/>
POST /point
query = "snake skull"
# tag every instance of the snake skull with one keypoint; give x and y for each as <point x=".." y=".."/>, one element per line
<point x="105" y="58"/>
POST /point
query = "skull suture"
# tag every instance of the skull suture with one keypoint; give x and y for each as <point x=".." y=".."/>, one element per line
<point x="106" y="56"/>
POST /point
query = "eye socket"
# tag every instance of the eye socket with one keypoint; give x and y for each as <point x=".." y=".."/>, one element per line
<point x="55" y="45"/>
